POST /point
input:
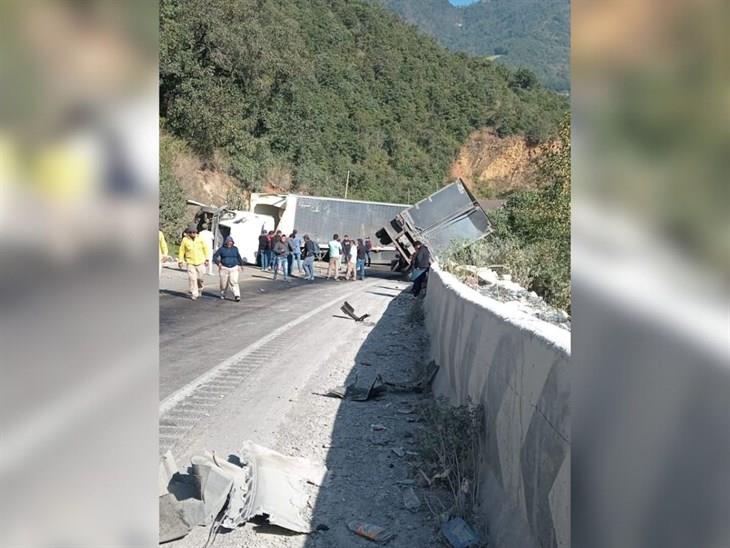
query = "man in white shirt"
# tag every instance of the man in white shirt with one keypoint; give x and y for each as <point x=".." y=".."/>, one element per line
<point x="207" y="236"/>
<point x="335" y="250"/>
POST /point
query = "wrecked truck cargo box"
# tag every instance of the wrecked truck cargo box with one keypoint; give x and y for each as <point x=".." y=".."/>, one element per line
<point x="448" y="215"/>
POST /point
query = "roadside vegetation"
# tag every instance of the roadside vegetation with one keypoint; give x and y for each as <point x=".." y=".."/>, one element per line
<point x="531" y="237"/>
<point x="293" y="94"/>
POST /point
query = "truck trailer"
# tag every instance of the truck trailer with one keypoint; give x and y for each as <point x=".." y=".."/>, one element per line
<point x="452" y="214"/>
<point x="321" y="218"/>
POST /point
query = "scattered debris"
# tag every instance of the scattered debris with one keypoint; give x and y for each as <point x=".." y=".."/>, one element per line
<point x="417" y="385"/>
<point x="459" y="533"/>
<point x="370" y="531"/>
<point x="359" y="389"/>
<point x="411" y="500"/>
<point x="377" y="427"/>
<point x="228" y="493"/>
<point x="350" y="311"/>
<point x="399" y="451"/>
<point x="406" y="410"/>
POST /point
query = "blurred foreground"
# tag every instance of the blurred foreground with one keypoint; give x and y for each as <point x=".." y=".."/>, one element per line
<point x="651" y="252"/>
<point x="78" y="320"/>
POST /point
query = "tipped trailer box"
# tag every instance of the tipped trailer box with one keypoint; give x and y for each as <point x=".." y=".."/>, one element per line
<point x="449" y="215"/>
<point x="321" y="218"/>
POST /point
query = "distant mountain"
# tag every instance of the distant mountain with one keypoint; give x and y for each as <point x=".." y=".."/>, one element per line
<point x="534" y="34"/>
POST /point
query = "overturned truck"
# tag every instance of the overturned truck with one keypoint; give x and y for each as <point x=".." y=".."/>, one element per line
<point x="449" y="215"/>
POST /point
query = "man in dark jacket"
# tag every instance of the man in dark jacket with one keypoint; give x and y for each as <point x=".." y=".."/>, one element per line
<point x="420" y="265"/>
<point x="281" y="252"/>
<point x="264" y="249"/>
<point x="311" y="249"/>
<point x="229" y="263"/>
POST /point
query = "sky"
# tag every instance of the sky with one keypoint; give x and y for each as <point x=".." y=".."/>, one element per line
<point x="462" y="2"/>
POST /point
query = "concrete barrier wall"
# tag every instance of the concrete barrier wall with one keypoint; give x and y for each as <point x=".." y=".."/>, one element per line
<point x="518" y="368"/>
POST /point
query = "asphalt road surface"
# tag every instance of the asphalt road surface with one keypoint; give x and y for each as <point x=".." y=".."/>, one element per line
<point x="197" y="335"/>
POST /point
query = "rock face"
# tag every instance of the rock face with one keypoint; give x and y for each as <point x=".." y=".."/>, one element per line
<point x="492" y="166"/>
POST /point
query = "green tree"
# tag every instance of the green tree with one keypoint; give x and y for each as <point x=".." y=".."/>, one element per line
<point x="171" y="205"/>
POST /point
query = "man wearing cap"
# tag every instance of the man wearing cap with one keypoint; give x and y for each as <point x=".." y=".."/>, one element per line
<point x="229" y="262"/>
<point x="194" y="252"/>
<point x="207" y="236"/>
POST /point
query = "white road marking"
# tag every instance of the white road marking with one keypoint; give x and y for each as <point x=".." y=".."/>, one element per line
<point x="179" y="395"/>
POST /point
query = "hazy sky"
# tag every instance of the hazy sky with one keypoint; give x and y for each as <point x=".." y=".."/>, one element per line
<point x="462" y="2"/>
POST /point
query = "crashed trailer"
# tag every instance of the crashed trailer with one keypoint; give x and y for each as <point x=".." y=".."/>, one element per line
<point x="449" y="215"/>
<point x="321" y="217"/>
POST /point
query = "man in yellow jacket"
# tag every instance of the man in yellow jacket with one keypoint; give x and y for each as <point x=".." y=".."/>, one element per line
<point x="163" y="249"/>
<point x="194" y="252"/>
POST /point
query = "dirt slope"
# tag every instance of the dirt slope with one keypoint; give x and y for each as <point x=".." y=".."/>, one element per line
<point x="494" y="167"/>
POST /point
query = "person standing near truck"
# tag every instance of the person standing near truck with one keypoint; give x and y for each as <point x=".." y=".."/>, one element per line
<point x="368" y="249"/>
<point x="335" y="250"/>
<point x="420" y="265"/>
<point x="207" y="236"/>
<point x="281" y="252"/>
<point x="296" y="244"/>
<point x="310" y="252"/>
<point x="351" y="259"/>
<point x="362" y="252"/>
<point x="194" y="252"/>
<point x="229" y="263"/>
<point x="264" y="248"/>
<point x="346" y="244"/>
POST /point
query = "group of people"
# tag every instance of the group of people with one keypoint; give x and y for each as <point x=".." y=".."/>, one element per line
<point x="353" y="254"/>
<point x="278" y="253"/>
<point x="196" y="251"/>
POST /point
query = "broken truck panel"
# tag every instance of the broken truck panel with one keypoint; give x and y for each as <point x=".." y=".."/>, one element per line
<point x="446" y="216"/>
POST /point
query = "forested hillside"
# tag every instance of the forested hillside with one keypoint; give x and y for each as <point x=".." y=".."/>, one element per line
<point x="534" y="34"/>
<point x="291" y="94"/>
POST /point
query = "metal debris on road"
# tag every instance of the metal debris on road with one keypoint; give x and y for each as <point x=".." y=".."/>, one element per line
<point x="359" y="389"/>
<point x="377" y="427"/>
<point x="399" y="451"/>
<point x="228" y="493"/>
<point x="459" y="534"/>
<point x="370" y="531"/>
<point x="350" y="311"/>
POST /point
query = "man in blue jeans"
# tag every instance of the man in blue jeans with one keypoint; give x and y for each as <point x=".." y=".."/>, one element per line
<point x="296" y="245"/>
<point x="264" y="250"/>
<point x="281" y="252"/>
<point x="420" y="265"/>
<point x="361" y="259"/>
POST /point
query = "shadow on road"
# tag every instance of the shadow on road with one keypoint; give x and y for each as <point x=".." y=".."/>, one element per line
<point x="364" y="469"/>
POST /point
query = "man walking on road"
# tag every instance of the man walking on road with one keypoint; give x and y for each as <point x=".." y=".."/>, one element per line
<point x="281" y="252"/>
<point x="229" y="263"/>
<point x="194" y="252"/>
<point x="207" y="236"/>
<point x="310" y="252"/>
<point x="335" y="250"/>
<point x="420" y="265"/>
